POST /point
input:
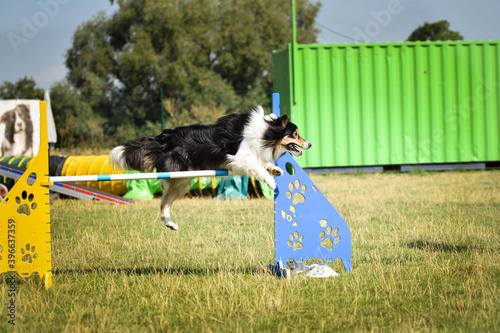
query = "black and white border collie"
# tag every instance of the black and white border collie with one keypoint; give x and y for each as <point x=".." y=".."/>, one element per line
<point x="247" y="143"/>
<point x="16" y="132"/>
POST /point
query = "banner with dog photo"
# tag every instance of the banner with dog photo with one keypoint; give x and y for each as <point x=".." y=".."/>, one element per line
<point x="19" y="127"/>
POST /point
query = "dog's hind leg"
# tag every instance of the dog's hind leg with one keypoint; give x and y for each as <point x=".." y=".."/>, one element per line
<point x="172" y="189"/>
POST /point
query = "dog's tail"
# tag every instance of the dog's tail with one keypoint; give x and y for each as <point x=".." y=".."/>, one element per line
<point x="134" y="155"/>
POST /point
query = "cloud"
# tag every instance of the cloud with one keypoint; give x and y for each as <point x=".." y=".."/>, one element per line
<point x="47" y="76"/>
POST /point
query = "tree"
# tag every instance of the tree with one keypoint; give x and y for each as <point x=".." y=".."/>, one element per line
<point x="201" y="52"/>
<point x="434" y="31"/>
<point x="24" y="88"/>
<point x="76" y="123"/>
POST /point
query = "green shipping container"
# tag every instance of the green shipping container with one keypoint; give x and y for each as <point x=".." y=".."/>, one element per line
<point x="393" y="103"/>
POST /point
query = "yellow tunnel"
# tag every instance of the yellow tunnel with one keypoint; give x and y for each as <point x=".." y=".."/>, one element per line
<point x="94" y="165"/>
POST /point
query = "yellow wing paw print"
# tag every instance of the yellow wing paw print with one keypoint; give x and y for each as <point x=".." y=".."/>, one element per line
<point x="25" y="203"/>
<point x="28" y="254"/>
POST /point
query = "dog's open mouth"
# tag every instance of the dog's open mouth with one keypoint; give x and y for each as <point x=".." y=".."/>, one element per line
<point x="294" y="149"/>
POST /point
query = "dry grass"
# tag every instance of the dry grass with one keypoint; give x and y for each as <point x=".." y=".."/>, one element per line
<point x="425" y="258"/>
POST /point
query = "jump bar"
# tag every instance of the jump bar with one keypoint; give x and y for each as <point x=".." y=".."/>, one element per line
<point x="138" y="176"/>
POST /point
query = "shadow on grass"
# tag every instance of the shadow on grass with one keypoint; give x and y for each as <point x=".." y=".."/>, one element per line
<point x="442" y="247"/>
<point x="162" y="270"/>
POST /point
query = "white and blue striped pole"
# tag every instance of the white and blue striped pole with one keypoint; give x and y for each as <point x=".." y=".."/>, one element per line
<point x="139" y="176"/>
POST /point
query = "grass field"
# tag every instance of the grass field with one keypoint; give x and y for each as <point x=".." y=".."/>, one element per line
<point x="425" y="258"/>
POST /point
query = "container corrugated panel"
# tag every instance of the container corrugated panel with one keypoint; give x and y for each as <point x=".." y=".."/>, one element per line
<point x="393" y="103"/>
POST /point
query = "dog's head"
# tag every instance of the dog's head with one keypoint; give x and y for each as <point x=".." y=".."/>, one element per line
<point x="284" y="136"/>
<point x="17" y="121"/>
<point x="24" y="122"/>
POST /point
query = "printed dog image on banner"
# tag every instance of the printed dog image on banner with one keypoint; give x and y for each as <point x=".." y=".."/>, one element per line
<point x="19" y="127"/>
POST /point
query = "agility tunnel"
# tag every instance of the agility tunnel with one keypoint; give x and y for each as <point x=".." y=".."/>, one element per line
<point x="93" y="165"/>
<point x="71" y="166"/>
<point x="12" y="169"/>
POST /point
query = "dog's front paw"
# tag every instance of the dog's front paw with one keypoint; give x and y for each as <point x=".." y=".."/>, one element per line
<point x="271" y="183"/>
<point x="275" y="171"/>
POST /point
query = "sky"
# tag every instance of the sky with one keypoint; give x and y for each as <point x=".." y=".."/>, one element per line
<point x="35" y="34"/>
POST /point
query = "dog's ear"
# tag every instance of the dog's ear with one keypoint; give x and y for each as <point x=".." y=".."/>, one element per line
<point x="284" y="120"/>
<point x="5" y="117"/>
